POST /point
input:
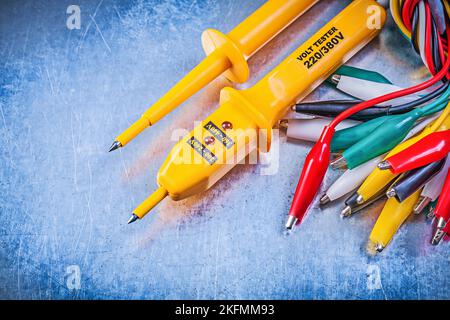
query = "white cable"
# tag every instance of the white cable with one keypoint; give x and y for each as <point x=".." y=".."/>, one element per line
<point x="422" y="32"/>
<point x="366" y="90"/>
<point x="421" y="125"/>
<point x="352" y="179"/>
<point x="310" y="129"/>
<point x="299" y="115"/>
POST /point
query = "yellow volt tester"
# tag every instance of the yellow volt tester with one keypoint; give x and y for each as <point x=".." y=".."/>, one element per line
<point x="225" y="138"/>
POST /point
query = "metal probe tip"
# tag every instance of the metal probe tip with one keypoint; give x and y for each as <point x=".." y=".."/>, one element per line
<point x="441" y="223"/>
<point x="421" y="204"/>
<point x="115" y="145"/>
<point x="346" y="212"/>
<point x="338" y="163"/>
<point x="336" y="78"/>
<point x="360" y="199"/>
<point x="384" y="165"/>
<point x="379" y="247"/>
<point x="284" y="124"/>
<point x="324" y="199"/>
<point x="290" y="223"/>
<point x="391" y="193"/>
<point x="133" y="218"/>
<point x="437" y="237"/>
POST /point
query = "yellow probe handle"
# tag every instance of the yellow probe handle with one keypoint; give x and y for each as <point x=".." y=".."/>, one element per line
<point x="391" y="218"/>
<point x="225" y="53"/>
<point x="253" y="33"/>
<point x="224" y="138"/>
<point x="378" y="179"/>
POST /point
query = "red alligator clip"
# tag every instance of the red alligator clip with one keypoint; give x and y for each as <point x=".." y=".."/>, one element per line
<point x="313" y="172"/>
<point x="432" y="148"/>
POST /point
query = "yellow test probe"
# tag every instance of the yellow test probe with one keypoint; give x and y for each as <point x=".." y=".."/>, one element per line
<point x="226" y="54"/>
<point x="378" y="179"/>
<point x="224" y="138"/>
<point x="391" y="218"/>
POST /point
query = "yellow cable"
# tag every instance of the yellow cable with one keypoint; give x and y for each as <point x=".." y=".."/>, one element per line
<point x="395" y="6"/>
<point x="447" y="7"/>
<point x="435" y="126"/>
<point x="391" y="218"/>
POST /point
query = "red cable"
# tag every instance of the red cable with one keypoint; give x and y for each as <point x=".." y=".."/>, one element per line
<point x="432" y="148"/>
<point x="442" y="209"/>
<point x="412" y="7"/>
<point x="394" y="95"/>
<point x="406" y="15"/>
<point x="407" y="12"/>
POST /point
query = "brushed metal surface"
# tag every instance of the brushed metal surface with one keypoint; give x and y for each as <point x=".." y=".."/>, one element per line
<point x="64" y="96"/>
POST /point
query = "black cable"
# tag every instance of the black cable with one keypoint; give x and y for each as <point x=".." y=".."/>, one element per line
<point x="352" y="200"/>
<point x="415" y="179"/>
<point x="356" y="207"/>
<point x="333" y="102"/>
<point x="414" y="33"/>
<point x="435" y="47"/>
<point x="411" y="105"/>
<point x="332" y="108"/>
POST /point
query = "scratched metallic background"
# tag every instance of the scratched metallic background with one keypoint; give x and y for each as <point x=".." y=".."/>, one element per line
<point x="64" y="96"/>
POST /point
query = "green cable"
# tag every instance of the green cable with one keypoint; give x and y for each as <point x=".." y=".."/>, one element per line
<point x="345" y="138"/>
<point x="382" y="139"/>
<point x="360" y="74"/>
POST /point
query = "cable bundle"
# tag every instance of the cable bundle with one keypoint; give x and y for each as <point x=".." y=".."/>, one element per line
<point x="424" y="24"/>
<point x="399" y="150"/>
